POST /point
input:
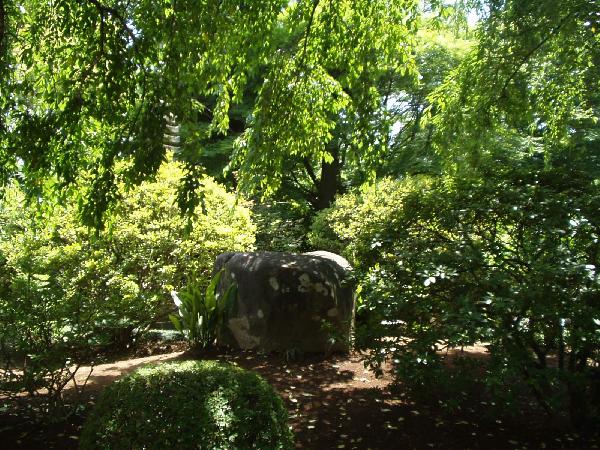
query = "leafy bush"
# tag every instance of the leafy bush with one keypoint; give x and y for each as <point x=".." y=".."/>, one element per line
<point x="153" y="242"/>
<point x="281" y="226"/>
<point x="506" y="255"/>
<point x="202" y="314"/>
<point x="188" y="405"/>
<point x="46" y="325"/>
<point x="66" y="290"/>
<point x="350" y="227"/>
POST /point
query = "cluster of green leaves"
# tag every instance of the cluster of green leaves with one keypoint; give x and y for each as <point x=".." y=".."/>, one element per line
<point x="533" y="72"/>
<point x="508" y="259"/>
<point x="189" y="405"/>
<point x="411" y="147"/>
<point x="501" y="247"/>
<point x="386" y="134"/>
<point x="322" y="95"/>
<point x="87" y="85"/>
<point x="89" y="88"/>
<point x="350" y="223"/>
<point x="201" y="315"/>
<point x="67" y="290"/>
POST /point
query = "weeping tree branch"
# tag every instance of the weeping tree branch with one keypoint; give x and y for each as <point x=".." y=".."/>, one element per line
<point x="553" y="32"/>
<point x="311" y="19"/>
<point x="107" y="10"/>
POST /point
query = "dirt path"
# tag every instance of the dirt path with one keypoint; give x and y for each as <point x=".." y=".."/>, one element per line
<point x="104" y="374"/>
<point x="337" y="403"/>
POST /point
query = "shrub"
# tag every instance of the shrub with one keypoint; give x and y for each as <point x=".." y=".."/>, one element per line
<point x="65" y="290"/>
<point x="188" y="405"/>
<point x="351" y="227"/>
<point x="281" y="226"/>
<point x="507" y="256"/>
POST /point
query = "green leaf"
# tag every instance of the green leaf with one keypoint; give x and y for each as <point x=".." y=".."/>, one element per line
<point x="211" y="292"/>
<point x="176" y="322"/>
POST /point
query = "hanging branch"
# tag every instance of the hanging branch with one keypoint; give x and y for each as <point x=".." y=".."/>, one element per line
<point x="531" y="52"/>
<point x="107" y="10"/>
<point x="308" y="30"/>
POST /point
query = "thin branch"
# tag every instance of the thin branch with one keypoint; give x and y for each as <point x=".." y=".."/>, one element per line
<point x="103" y="9"/>
<point x="531" y="52"/>
<point x="308" y="30"/>
<point x="308" y="195"/>
<point x="310" y="171"/>
<point x="388" y="91"/>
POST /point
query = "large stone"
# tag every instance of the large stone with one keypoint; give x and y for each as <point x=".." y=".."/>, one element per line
<point x="288" y="302"/>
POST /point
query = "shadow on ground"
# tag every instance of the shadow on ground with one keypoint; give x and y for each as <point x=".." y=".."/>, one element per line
<point x="333" y="403"/>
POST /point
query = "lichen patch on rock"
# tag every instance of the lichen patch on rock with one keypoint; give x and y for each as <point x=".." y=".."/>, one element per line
<point x="288" y="301"/>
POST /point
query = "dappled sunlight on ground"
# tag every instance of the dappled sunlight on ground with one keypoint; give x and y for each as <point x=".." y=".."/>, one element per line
<point x="102" y="374"/>
<point x="336" y="402"/>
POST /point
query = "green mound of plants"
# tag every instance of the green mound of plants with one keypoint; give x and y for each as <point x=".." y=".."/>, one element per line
<point x="188" y="405"/>
<point x="68" y="291"/>
<point x="506" y="256"/>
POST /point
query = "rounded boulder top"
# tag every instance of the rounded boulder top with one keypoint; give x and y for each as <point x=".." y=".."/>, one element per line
<point x="286" y="301"/>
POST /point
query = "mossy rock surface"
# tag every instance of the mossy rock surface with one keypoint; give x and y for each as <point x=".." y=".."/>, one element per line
<point x="188" y="405"/>
<point x="288" y="301"/>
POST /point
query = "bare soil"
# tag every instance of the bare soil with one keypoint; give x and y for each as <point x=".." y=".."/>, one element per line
<point x="333" y="403"/>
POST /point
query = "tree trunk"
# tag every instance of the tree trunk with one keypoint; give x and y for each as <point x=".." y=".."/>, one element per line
<point x="329" y="181"/>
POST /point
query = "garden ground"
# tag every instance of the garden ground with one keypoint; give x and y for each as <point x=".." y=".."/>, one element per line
<point x="333" y="403"/>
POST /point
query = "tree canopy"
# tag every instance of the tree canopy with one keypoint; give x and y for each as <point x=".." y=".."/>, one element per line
<point x="88" y="84"/>
<point x="534" y="73"/>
